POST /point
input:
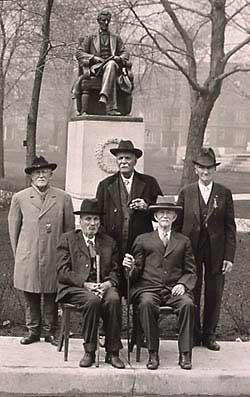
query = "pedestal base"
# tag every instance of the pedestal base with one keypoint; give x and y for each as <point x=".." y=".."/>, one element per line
<point x="89" y="160"/>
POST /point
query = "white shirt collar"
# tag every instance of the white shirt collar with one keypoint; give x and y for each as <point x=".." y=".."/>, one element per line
<point x="128" y="181"/>
<point x="205" y="190"/>
<point x="162" y="234"/>
<point x="88" y="238"/>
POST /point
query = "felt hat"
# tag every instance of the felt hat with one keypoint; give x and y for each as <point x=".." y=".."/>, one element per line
<point x="206" y="158"/>
<point x="90" y="207"/>
<point x="165" y="203"/>
<point x="126" y="146"/>
<point x="38" y="164"/>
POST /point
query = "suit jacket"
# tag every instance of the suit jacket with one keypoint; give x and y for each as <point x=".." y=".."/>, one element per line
<point x="91" y="46"/>
<point x="220" y="222"/>
<point x="108" y="195"/>
<point x="35" y="230"/>
<point x="160" y="268"/>
<point x="74" y="263"/>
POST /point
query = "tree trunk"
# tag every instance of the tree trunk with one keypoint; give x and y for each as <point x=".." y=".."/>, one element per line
<point x="201" y="107"/>
<point x="34" y="105"/>
<point x="2" y="173"/>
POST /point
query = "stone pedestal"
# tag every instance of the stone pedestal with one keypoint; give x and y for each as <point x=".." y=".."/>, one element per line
<point x="88" y="157"/>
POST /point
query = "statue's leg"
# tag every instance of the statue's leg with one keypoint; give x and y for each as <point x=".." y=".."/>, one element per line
<point x="109" y="85"/>
<point x="84" y="102"/>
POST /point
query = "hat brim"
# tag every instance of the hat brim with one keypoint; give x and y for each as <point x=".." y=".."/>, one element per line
<point x="206" y="165"/>
<point x="157" y="207"/>
<point x="29" y="170"/>
<point x="88" y="212"/>
<point x="138" y="152"/>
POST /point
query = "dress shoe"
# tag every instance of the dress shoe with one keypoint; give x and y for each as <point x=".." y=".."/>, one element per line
<point x="185" y="360"/>
<point x="113" y="112"/>
<point x="51" y="339"/>
<point x="87" y="360"/>
<point x="31" y="338"/>
<point x="153" y="360"/>
<point x="114" y="359"/>
<point x="211" y="345"/>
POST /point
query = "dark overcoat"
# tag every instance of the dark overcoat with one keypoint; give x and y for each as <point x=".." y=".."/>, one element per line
<point x="91" y="45"/>
<point x="74" y="263"/>
<point x="220" y="222"/>
<point x="108" y="195"/>
<point x="153" y="262"/>
<point x="35" y="231"/>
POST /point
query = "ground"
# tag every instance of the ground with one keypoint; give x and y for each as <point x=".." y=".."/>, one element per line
<point x="235" y="314"/>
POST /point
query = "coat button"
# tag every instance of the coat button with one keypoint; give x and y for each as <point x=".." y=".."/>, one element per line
<point x="87" y="265"/>
<point x="115" y="210"/>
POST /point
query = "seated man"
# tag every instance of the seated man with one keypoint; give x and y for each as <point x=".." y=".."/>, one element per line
<point x="107" y="56"/>
<point x="83" y="255"/>
<point x="163" y="272"/>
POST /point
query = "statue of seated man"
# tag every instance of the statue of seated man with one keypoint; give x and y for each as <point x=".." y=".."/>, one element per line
<point x="106" y="56"/>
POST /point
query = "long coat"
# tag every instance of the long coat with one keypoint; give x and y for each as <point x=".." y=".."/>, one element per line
<point x="220" y="222"/>
<point x="34" y="233"/>
<point x="160" y="268"/>
<point x="91" y="45"/>
<point x="108" y="195"/>
<point x="74" y="263"/>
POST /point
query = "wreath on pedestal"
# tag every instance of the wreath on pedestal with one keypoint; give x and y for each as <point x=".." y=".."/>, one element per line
<point x="106" y="164"/>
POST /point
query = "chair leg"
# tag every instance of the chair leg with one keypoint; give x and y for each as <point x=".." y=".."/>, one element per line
<point x="138" y="337"/>
<point x="66" y="333"/>
<point x="61" y="336"/>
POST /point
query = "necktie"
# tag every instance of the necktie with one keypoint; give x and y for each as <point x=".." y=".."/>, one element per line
<point x="165" y="239"/>
<point x="92" y="251"/>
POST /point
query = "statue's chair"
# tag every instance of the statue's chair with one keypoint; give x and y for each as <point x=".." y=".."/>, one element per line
<point x="87" y="87"/>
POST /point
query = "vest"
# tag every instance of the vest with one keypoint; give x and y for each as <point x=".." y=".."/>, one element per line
<point x="204" y="236"/>
<point x="105" y="46"/>
<point x="125" y="198"/>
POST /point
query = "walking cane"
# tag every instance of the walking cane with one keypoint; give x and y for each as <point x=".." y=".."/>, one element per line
<point x="128" y="317"/>
<point x="97" y="260"/>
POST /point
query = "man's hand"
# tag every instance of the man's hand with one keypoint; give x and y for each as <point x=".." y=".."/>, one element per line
<point x="226" y="267"/>
<point x="97" y="59"/>
<point x="178" y="290"/>
<point x="138" y="204"/>
<point x="104" y="286"/>
<point x="128" y="263"/>
<point x="95" y="288"/>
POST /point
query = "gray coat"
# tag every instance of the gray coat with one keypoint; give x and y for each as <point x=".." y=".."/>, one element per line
<point x="35" y="231"/>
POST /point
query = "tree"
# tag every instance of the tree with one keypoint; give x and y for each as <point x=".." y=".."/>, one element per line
<point x="34" y="105"/>
<point x="14" y="26"/>
<point x="176" y="34"/>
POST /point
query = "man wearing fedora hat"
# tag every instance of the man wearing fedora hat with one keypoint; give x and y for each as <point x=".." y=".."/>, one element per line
<point x="38" y="216"/>
<point x="163" y="272"/>
<point x="208" y="220"/>
<point x="83" y="256"/>
<point x="125" y="198"/>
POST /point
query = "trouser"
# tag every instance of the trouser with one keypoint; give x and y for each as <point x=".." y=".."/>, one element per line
<point x="40" y="316"/>
<point x="109" y="88"/>
<point x="149" y="309"/>
<point x="213" y="291"/>
<point x="92" y="309"/>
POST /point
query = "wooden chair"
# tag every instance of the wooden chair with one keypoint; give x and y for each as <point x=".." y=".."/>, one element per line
<point x="137" y="333"/>
<point x="63" y="341"/>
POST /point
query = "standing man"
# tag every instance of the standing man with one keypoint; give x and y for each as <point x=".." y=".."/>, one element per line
<point x="37" y="218"/>
<point x="163" y="272"/>
<point x="107" y="56"/>
<point x="83" y="255"/>
<point x="125" y="197"/>
<point x="208" y="220"/>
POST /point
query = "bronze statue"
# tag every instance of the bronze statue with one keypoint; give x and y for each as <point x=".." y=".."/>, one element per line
<point x="105" y="81"/>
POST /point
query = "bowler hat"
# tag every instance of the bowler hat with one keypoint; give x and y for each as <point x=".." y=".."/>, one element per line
<point x="206" y="158"/>
<point x="38" y="164"/>
<point x="126" y="146"/>
<point x="165" y="203"/>
<point x="89" y="206"/>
